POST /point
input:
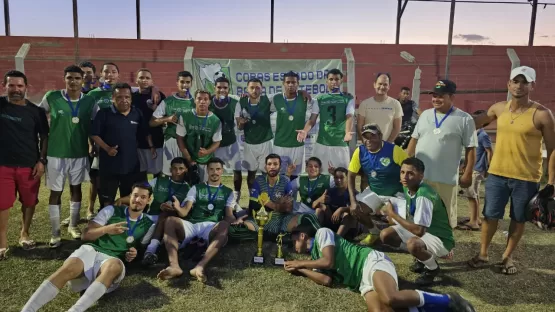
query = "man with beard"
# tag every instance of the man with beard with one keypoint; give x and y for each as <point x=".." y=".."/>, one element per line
<point x="207" y="213"/>
<point x="70" y="123"/>
<point x="97" y="267"/>
<point x="516" y="167"/>
<point x="199" y="133"/>
<point x="24" y="142"/>
<point x="114" y="131"/>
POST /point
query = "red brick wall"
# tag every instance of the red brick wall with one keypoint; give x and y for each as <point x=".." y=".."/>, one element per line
<point x="473" y="67"/>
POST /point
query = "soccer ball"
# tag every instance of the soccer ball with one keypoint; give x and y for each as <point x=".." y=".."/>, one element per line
<point x="219" y="74"/>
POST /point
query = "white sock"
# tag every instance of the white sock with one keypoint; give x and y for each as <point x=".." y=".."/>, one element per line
<point x="91" y="295"/>
<point x="54" y="211"/>
<point x="44" y="294"/>
<point x="431" y="263"/>
<point x="237" y="196"/>
<point x="74" y="215"/>
<point x="153" y="246"/>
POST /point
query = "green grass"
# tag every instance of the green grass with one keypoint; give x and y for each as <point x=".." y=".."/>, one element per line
<point x="236" y="285"/>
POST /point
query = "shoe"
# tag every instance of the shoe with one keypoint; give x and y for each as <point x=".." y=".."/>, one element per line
<point x="65" y="222"/>
<point x="369" y="239"/>
<point x="149" y="259"/>
<point x="91" y="216"/>
<point x="75" y="232"/>
<point x="427" y="277"/>
<point x="459" y="304"/>
<point x="417" y="267"/>
<point x="55" y="242"/>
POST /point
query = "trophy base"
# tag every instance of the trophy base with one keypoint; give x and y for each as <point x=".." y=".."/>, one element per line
<point x="258" y="260"/>
<point x="279" y="261"/>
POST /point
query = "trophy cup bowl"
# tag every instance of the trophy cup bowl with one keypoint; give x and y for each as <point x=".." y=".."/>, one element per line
<point x="279" y="260"/>
<point x="262" y="217"/>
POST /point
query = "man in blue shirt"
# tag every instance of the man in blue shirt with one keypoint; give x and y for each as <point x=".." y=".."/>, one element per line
<point x="484" y="153"/>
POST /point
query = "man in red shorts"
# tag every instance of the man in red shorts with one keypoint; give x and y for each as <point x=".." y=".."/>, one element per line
<point x="22" y="162"/>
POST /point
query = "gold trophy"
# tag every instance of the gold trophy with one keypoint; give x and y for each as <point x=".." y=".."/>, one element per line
<point x="279" y="259"/>
<point x="262" y="217"/>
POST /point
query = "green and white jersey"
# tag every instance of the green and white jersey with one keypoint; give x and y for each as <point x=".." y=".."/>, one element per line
<point x="68" y="139"/>
<point x="226" y="113"/>
<point x="259" y="128"/>
<point x="163" y="190"/>
<point x="311" y="189"/>
<point x="173" y="104"/>
<point x="426" y="209"/>
<point x="209" y="202"/>
<point x="291" y="116"/>
<point x="349" y="259"/>
<point x="333" y="109"/>
<point x="199" y="131"/>
<point x="116" y="245"/>
<point x="102" y="98"/>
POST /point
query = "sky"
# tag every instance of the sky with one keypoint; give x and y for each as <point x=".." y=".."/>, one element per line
<point x="308" y="21"/>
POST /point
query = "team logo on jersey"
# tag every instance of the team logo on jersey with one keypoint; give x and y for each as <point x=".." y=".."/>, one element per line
<point x="210" y="72"/>
<point x="385" y="161"/>
<point x="61" y="112"/>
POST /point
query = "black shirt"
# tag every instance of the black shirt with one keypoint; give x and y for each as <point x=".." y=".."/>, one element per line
<point x="157" y="133"/>
<point x="116" y="129"/>
<point x="20" y="127"/>
<point x="408" y="110"/>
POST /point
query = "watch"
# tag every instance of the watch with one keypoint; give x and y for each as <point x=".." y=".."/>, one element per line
<point x="44" y="161"/>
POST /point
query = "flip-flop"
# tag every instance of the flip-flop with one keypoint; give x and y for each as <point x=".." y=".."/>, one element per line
<point x="3" y="253"/>
<point x="27" y="244"/>
<point x="508" y="269"/>
<point x="466" y="227"/>
<point x="476" y="262"/>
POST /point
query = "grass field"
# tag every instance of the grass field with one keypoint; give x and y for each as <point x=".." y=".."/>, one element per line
<point x="236" y="285"/>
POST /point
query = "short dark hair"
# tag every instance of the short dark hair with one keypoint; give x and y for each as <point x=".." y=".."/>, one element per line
<point x="184" y="74"/>
<point x="88" y="64"/>
<point x="291" y="74"/>
<point x="201" y="91"/>
<point x="388" y="75"/>
<point x="222" y="79"/>
<point x="334" y="71"/>
<point x="122" y="85"/>
<point x="143" y="186"/>
<point x="145" y="70"/>
<point x="73" y="69"/>
<point x="481" y="112"/>
<point x="255" y="80"/>
<point x="272" y="156"/>
<point x="303" y="228"/>
<point x="215" y="160"/>
<point x="415" y="162"/>
<point x="316" y="159"/>
<point x="341" y="169"/>
<point x="179" y="160"/>
<point x="405" y="89"/>
<point x="110" y="63"/>
<point x="15" y="74"/>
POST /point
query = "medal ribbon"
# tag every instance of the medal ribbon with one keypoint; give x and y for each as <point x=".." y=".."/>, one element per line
<point x="74" y="110"/>
<point x="131" y="230"/>
<point x="444" y="117"/>
<point x="290" y="110"/>
<point x="210" y="197"/>
<point x="311" y="189"/>
<point x="253" y="112"/>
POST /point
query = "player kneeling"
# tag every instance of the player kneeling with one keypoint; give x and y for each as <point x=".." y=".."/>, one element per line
<point x="96" y="267"/>
<point x="365" y="269"/>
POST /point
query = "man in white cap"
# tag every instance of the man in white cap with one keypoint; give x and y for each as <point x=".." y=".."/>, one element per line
<point x="516" y="166"/>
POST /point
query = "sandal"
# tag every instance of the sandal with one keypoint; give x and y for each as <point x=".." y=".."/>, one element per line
<point x="477" y="262"/>
<point x="27" y="244"/>
<point x="3" y="253"/>
<point x="467" y="227"/>
<point x="508" y="269"/>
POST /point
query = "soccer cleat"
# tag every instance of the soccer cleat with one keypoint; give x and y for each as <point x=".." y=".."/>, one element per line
<point x="417" y="266"/>
<point x="55" y="242"/>
<point x="369" y="239"/>
<point x="459" y="304"/>
<point x="75" y="232"/>
<point x="149" y="259"/>
<point x="427" y="277"/>
<point x="65" y="222"/>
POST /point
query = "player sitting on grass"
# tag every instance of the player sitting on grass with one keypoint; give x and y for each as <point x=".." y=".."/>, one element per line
<point x="96" y="267"/>
<point x="365" y="269"/>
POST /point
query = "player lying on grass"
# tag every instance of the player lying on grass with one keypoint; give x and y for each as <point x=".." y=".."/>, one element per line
<point x="97" y="267"/>
<point x="365" y="269"/>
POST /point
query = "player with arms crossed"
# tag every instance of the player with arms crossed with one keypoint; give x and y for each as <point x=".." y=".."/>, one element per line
<point x="70" y="125"/>
<point x="336" y="112"/>
<point x="361" y="268"/>
<point x="208" y="212"/>
<point x="96" y="267"/>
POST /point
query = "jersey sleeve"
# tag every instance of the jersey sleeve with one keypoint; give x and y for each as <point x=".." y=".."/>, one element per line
<point x="315" y="106"/>
<point x="237" y="110"/>
<point x="152" y="182"/>
<point x="217" y="137"/>
<point x="233" y="96"/>
<point x="324" y="237"/>
<point x="148" y="236"/>
<point x="399" y="155"/>
<point x="295" y="185"/>
<point x="104" y="215"/>
<point x="332" y="182"/>
<point x="484" y="140"/>
<point x="288" y="190"/>
<point x="469" y="133"/>
<point x="416" y="133"/>
<point x="354" y="165"/>
<point x="191" y="196"/>
<point x="160" y="110"/>
<point x="230" y="202"/>
<point x="180" y="129"/>
<point x="44" y="103"/>
<point x="423" y="211"/>
<point x="350" y="107"/>
<point x="271" y="99"/>
<point x="94" y="111"/>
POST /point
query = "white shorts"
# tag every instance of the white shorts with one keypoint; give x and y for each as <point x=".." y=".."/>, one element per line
<point x="92" y="263"/>
<point x="170" y="151"/>
<point x="301" y="208"/>
<point x="203" y="175"/>
<point x="290" y="155"/>
<point x="148" y="164"/>
<point x="199" y="230"/>
<point x="231" y="155"/>
<point x="76" y="170"/>
<point x="254" y="155"/>
<point x="336" y="156"/>
<point x="433" y="243"/>
<point x="376" y="261"/>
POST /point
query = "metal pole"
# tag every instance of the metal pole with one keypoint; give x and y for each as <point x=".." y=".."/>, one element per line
<point x="138" y="9"/>
<point x="533" y="23"/>
<point x="272" y="22"/>
<point x="75" y="20"/>
<point x="7" y="17"/>
<point x="450" y="39"/>
<point x="398" y="31"/>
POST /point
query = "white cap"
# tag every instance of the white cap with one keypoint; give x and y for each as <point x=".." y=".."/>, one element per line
<point x="370" y="199"/>
<point x="528" y="72"/>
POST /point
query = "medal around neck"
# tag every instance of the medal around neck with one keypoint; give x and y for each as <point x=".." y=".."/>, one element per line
<point x="130" y="240"/>
<point x="75" y="120"/>
<point x="291" y="118"/>
<point x="437" y="131"/>
<point x="210" y="207"/>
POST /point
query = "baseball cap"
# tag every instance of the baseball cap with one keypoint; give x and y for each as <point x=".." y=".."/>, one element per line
<point x="528" y="72"/>
<point x="371" y="128"/>
<point x="444" y="87"/>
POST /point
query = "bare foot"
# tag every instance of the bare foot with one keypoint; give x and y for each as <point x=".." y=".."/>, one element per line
<point x="198" y="273"/>
<point x="169" y="273"/>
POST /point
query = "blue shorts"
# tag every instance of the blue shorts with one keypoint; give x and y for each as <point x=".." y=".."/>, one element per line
<point x="498" y="192"/>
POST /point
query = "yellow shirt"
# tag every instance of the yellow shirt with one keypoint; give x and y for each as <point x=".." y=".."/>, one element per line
<point x="399" y="155"/>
